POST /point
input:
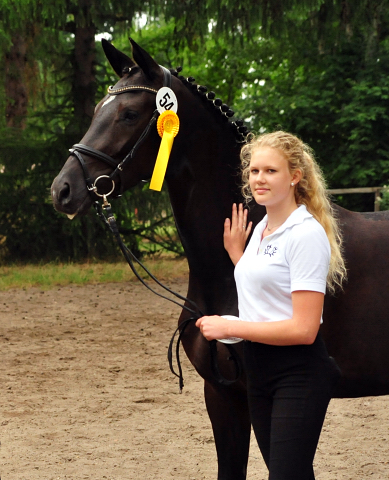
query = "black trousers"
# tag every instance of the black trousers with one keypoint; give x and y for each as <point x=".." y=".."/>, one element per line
<point x="289" y="389"/>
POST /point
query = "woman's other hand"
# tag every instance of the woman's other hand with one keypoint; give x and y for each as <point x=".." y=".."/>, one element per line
<point x="213" y="327"/>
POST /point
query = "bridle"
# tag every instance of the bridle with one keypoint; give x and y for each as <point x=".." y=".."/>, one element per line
<point x="78" y="149"/>
<point x="106" y="215"/>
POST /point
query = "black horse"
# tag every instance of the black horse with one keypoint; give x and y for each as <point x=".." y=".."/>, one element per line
<point x="203" y="182"/>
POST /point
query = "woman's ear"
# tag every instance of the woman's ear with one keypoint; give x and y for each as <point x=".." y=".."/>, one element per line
<point x="296" y="177"/>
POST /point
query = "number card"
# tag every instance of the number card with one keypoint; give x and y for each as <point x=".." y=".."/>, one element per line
<point x="166" y="100"/>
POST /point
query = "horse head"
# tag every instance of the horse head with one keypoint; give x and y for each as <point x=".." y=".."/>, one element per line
<point x="119" y="121"/>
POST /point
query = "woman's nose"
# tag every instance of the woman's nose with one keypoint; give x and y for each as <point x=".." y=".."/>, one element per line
<point x="260" y="178"/>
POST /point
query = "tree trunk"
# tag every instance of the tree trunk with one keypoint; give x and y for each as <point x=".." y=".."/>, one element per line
<point x="15" y="88"/>
<point x="84" y="79"/>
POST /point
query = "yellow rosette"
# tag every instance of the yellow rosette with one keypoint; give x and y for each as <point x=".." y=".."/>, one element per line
<point x="168" y="125"/>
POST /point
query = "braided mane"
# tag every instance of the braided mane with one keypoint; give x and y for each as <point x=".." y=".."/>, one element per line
<point x="239" y="129"/>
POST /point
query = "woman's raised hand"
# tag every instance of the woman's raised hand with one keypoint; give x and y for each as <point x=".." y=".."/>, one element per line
<point x="236" y="232"/>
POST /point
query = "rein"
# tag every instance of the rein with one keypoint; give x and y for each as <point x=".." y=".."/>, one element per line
<point x="105" y="214"/>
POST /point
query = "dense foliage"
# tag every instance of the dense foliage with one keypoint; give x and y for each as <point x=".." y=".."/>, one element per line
<point x="332" y="88"/>
<point x="318" y="68"/>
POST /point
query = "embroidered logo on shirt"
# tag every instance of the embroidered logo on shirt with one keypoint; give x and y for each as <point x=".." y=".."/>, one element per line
<point x="270" y="250"/>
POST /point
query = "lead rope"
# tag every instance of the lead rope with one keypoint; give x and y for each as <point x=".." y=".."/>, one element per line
<point x="110" y="221"/>
<point x="106" y="215"/>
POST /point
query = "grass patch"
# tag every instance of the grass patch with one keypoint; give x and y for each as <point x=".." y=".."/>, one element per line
<point x="49" y="275"/>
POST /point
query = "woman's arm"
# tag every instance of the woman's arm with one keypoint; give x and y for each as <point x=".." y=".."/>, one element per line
<point x="236" y="232"/>
<point x="301" y="329"/>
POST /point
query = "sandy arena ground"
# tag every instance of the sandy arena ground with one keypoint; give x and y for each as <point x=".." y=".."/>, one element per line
<point x="86" y="393"/>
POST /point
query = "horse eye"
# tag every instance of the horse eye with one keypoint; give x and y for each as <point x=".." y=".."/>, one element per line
<point x="130" y="115"/>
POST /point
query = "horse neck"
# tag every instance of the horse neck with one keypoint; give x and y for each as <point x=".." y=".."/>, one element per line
<point x="202" y="192"/>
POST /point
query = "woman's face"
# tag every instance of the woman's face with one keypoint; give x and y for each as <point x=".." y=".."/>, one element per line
<point x="270" y="179"/>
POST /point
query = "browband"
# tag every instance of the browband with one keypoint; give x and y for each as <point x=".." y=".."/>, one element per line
<point x="167" y="82"/>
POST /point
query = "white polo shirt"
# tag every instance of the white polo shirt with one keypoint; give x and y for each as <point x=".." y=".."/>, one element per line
<point x="295" y="257"/>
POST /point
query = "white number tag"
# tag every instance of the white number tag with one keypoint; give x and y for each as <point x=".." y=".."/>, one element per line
<point x="166" y="100"/>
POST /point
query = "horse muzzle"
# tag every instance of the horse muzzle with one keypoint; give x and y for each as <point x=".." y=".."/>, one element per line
<point x="69" y="193"/>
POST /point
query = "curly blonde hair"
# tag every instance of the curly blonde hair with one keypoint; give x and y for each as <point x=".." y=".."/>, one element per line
<point x="310" y="191"/>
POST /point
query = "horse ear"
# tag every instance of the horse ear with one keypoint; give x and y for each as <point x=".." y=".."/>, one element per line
<point x="149" y="66"/>
<point x="117" y="59"/>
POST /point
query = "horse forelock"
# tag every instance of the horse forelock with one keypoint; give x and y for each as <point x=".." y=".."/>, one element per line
<point x="134" y="76"/>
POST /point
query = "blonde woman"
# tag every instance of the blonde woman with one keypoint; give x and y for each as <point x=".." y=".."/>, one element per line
<point x="293" y="257"/>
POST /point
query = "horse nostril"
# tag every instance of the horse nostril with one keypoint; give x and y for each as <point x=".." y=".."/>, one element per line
<point x="64" y="193"/>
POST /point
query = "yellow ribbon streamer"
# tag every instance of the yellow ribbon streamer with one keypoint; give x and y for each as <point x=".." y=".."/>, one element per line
<point x="168" y="125"/>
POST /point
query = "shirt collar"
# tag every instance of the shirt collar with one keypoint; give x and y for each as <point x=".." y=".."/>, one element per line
<point x="296" y="217"/>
